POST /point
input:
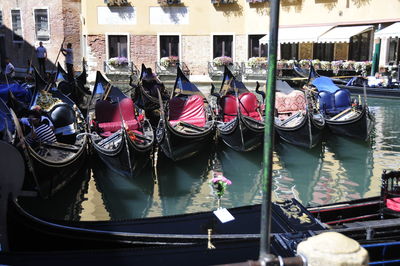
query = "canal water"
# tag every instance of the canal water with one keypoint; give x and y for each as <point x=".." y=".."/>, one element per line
<point x="339" y="169"/>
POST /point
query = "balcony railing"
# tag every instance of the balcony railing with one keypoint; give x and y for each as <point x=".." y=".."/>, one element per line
<point x="259" y="71"/>
<point x="218" y="70"/>
<point x="171" y="69"/>
<point x="126" y="69"/>
<point x="256" y="1"/>
<point x="223" y="1"/>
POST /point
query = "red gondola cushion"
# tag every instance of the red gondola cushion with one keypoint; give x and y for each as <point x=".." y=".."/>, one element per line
<point x="393" y="204"/>
<point x="249" y="105"/>
<point x="187" y="109"/>
<point x="108" y="115"/>
<point x="229" y="107"/>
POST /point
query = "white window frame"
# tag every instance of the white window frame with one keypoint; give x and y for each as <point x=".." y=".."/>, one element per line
<point x="48" y="23"/>
<point x="169" y="34"/>
<point x="127" y="43"/>
<point x="223" y="34"/>
<point x="22" y="25"/>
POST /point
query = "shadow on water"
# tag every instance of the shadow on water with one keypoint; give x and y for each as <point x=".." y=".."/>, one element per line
<point x="299" y="173"/>
<point x="123" y="197"/>
<point x="64" y="205"/>
<point x="244" y="170"/>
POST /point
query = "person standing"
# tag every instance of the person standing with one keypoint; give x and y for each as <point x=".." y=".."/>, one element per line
<point x="69" y="60"/>
<point x="41" y="54"/>
<point x="10" y="70"/>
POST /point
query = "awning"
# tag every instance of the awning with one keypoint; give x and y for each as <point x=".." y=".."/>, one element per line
<point x="343" y="34"/>
<point x="298" y="34"/>
<point x="391" y="31"/>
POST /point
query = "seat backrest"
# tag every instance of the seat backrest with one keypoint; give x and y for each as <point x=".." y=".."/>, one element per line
<point x="229" y="105"/>
<point x="186" y="108"/>
<point x="292" y="102"/>
<point x="104" y="111"/>
<point x="248" y="103"/>
<point x="108" y="112"/>
<point x="390" y="184"/>
<point x="326" y="100"/>
<point x="127" y="108"/>
<point x="342" y="98"/>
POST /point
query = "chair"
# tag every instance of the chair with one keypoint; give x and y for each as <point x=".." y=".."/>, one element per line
<point x="390" y="193"/>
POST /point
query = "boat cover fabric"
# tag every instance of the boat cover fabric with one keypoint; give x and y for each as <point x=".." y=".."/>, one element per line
<point x="189" y="109"/>
<point x="64" y="119"/>
<point x="20" y="92"/>
<point x="325" y="84"/>
<point x="287" y="104"/>
<point x="393" y="204"/>
<point x="108" y="115"/>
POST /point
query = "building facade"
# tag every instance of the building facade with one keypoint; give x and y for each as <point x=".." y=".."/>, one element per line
<point x="195" y="32"/>
<point x="23" y="24"/>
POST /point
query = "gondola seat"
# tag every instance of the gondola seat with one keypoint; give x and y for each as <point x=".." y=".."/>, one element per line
<point x="108" y="116"/>
<point x="249" y="105"/>
<point x="229" y="107"/>
<point x="390" y="193"/>
<point x="187" y="109"/>
<point x="334" y="103"/>
<point x="288" y="104"/>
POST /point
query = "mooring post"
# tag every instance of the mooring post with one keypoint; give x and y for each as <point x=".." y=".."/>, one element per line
<point x="265" y="242"/>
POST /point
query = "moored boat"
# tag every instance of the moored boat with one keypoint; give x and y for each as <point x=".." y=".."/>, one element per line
<point x="240" y="123"/>
<point x="7" y="127"/>
<point x="343" y="115"/>
<point x="297" y="119"/>
<point x="122" y="137"/>
<point x="186" y="123"/>
<point x="53" y="165"/>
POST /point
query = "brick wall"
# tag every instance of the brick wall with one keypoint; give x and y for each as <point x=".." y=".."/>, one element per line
<point x="143" y="49"/>
<point x="72" y="29"/>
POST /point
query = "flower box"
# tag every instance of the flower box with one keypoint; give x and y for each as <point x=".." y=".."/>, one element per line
<point x="118" y="62"/>
<point x="223" y="1"/>
<point x="222" y="61"/>
<point x="256" y="1"/>
<point x="257" y="62"/>
<point x="169" y="61"/>
<point x="169" y="2"/>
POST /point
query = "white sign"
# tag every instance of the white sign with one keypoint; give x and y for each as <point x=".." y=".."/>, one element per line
<point x="125" y="15"/>
<point x="169" y="15"/>
<point x="224" y="215"/>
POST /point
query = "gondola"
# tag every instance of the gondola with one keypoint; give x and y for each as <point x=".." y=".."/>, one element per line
<point x="297" y="120"/>
<point x="343" y="115"/>
<point x="121" y="136"/>
<point x="240" y="123"/>
<point x="186" y="123"/>
<point x="52" y="166"/>
<point x="359" y="85"/>
<point x="76" y="90"/>
<point x="146" y="97"/>
<point x="7" y="127"/>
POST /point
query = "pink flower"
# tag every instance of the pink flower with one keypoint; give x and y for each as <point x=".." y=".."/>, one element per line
<point x="222" y="179"/>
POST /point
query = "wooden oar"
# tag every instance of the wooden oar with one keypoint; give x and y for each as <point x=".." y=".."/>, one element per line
<point x="341" y="113"/>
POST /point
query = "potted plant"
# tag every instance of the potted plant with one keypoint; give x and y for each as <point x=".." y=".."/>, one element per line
<point x="169" y="61"/>
<point x="257" y="62"/>
<point x="118" y="62"/>
<point x="222" y="61"/>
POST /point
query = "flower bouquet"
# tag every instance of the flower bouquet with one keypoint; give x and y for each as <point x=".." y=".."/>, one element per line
<point x="336" y="66"/>
<point x="118" y="61"/>
<point x="304" y="63"/>
<point x="219" y="185"/>
<point x="362" y="66"/>
<point x="348" y="65"/>
<point x="325" y="65"/>
<point x="169" y="61"/>
<point x="222" y="61"/>
<point x="257" y="62"/>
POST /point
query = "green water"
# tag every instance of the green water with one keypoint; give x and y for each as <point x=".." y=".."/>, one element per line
<point x="339" y="169"/>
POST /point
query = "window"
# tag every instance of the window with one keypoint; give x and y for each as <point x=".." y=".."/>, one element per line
<point x="394" y="51"/>
<point x="289" y="51"/>
<point x="256" y="49"/>
<point x="169" y="45"/>
<point x="222" y="45"/>
<point x="323" y="51"/>
<point x="16" y="25"/>
<point x="360" y="47"/>
<point x="1" y="18"/>
<point x="42" y="25"/>
<point x="117" y="46"/>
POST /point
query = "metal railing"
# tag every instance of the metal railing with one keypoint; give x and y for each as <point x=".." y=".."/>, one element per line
<point x="217" y="70"/>
<point x="127" y="69"/>
<point x="171" y="69"/>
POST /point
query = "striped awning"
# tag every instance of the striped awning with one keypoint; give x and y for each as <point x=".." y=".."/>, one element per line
<point x="343" y="33"/>
<point x="391" y="31"/>
<point x="298" y="34"/>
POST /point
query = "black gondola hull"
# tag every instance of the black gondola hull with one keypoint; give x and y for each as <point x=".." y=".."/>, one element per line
<point x="246" y="136"/>
<point x="307" y="134"/>
<point x="359" y="127"/>
<point x="378" y="92"/>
